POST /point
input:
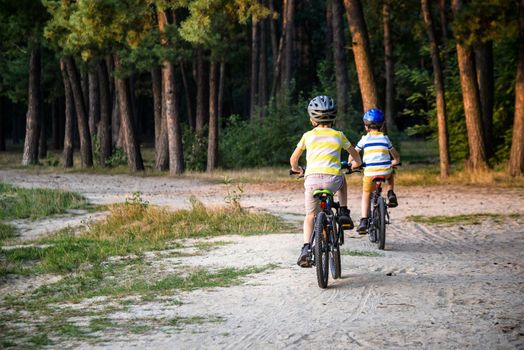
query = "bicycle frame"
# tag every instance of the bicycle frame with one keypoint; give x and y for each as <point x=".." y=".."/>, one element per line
<point x="327" y="204"/>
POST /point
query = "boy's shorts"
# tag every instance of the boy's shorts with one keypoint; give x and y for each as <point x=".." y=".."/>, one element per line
<point x="315" y="182"/>
<point x="367" y="183"/>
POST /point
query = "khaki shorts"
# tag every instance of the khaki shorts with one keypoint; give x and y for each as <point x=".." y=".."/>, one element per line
<point x="367" y="183"/>
<point x="320" y="182"/>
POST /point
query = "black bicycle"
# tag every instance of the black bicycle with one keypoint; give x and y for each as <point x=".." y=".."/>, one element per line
<point x="378" y="212"/>
<point x="327" y="236"/>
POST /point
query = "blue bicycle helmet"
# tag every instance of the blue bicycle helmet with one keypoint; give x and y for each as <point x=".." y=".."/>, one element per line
<point x="373" y="116"/>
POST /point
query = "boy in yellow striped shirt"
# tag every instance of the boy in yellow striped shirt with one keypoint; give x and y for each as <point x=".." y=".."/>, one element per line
<point x="323" y="146"/>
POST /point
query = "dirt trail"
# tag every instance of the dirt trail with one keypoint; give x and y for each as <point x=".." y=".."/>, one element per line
<point x="439" y="287"/>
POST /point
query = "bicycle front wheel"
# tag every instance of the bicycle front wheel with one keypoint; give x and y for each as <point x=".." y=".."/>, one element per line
<point x="321" y="250"/>
<point x="381" y="224"/>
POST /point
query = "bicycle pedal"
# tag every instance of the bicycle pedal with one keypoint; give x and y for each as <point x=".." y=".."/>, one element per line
<point x="348" y="226"/>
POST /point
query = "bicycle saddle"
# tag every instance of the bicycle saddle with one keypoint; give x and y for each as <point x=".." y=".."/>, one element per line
<point x="379" y="178"/>
<point x="319" y="193"/>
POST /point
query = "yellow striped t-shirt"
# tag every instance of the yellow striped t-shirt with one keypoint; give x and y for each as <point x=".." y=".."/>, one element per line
<point x="323" y="147"/>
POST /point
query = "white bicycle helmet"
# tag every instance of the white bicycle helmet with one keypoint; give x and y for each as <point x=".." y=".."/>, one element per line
<point x="322" y="109"/>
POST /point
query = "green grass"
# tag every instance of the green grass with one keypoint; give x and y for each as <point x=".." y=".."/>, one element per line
<point x="103" y="281"/>
<point x="465" y="219"/>
<point x="180" y="321"/>
<point x="359" y="253"/>
<point x="6" y="232"/>
<point x="132" y="229"/>
<point x="36" y="203"/>
<point x="134" y="221"/>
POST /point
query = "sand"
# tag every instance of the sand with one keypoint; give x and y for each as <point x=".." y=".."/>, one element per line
<point x="435" y="286"/>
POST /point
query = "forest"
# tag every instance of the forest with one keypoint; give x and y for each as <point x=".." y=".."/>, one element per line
<point x="206" y="84"/>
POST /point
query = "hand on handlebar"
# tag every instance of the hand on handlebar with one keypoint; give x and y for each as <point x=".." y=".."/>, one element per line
<point x="297" y="171"/>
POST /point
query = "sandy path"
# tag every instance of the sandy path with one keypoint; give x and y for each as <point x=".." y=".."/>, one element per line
<point x="434" y="287"/>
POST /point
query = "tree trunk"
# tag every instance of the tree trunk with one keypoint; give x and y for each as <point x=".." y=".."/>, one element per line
<point x="190" y="118"/>
<point x="104" y="131"/>
<point x="287" y="71"/>
<point x="2" y="125"/>
<point x="176" y="163"/>
<point x="340" y="62"/>
<point x="212" y="145"/>
<point x="439" y="91"/>
<point x="84" y="84"/>
<point x="201" y="92"/>
<point x="485" y="80"/>
<point x="162" y="153"/>
<point x="221" y="90"/>
<point x="330" y="49"/>
<point x="361" y="52"/>
<point x="115" y="122"/>
<point x="389" y="108"/>
<point x="55" y="124"/>
<point x="516" y="158"/>
<point x="86" y="152"/>
<point x="162" y="146"/>
<point x="94" y="98"/>
<point x="253" y="101"/>
<point x="156" y="80"/>
<point x="174" y="133"/>
<point x="273" y="29"/>
<point x="277" y="66"/>
<point x="134" y="157"/>
<point x="67" y="154"/>
<point x="262" y="72"/>
<point x="470" y="94"/>
<point x="33" y="117"/>
<point x="131" y="83"/>
<point x="42" y="146"/>
<point x="443" y="19"/>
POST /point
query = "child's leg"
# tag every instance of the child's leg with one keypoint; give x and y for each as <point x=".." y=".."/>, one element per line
<point x="367" y="188"/>
<point x="365" y="204"/>
<point x="343" y="194"/>
<point x="308" y="227"/>
<point x="391" y="182"/>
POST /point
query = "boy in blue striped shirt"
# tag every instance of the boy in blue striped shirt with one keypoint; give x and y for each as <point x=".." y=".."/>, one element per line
<point x="380" y="157"/>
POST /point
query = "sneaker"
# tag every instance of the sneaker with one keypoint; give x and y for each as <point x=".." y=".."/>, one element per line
<point x="392" y="199"/>
<point x="345" y="219"/>
<point x="363" y="226"/>
<point x="303" y="259"/>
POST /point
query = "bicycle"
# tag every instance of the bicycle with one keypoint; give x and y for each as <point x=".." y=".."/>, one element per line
<point x="327" y="236"/>
<point x="378" y="210"/>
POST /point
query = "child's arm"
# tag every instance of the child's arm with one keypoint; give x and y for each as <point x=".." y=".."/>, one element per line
<point x="354" y="157"/>
<point x="293" y="161"/>
<point x="396" y="156"/>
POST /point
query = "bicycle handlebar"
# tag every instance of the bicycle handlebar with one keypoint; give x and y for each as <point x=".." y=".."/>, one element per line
<point x="343" y="165"/>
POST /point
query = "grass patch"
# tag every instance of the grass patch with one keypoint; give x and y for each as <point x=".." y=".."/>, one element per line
<point x="6" y="232"/>
<point x="36" y="203"/>
<point x="465" y="219"/>
<point x="180" y="321"/>
<point x="359" y="253"/>
<point x="100" y="324"/>
<point x="102" y="282"/>
<point x="132" y="229"/>
<point x="132" y="221"/>
<point x="206" y="245"/>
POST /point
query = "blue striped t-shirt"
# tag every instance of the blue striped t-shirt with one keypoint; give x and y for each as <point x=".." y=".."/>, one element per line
<point x="376" y="148"/>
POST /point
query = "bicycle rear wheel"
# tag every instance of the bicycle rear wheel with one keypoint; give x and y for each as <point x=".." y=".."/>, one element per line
<point x="372" y="225"/>
<point x="321" y="250"/>
<point x="381" y="224"/>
